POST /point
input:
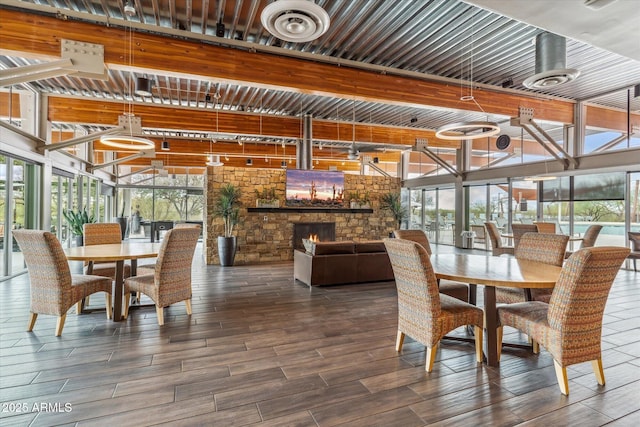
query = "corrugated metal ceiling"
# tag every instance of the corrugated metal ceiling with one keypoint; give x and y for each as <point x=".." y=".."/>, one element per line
<point x="445" y="38"/>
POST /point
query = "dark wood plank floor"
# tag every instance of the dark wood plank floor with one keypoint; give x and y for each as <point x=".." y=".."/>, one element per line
<point x="261" y="349"/>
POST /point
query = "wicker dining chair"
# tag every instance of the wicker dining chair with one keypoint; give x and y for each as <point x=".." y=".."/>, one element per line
<point x="170" y="281"/>
<point x="541" y="247"/>
<point x="545" y="227"/>
<point x="150" y="268"/>
<point x="448" y="287"/>
<point x="634" y="238"/>
<point x="589" y="238"/>
<point x="519" y="230"/>
<point x="53" y="288"/>
<point x="102" y="233"/>
<point x="424" y="313"/>
<point x="480" y="234"/>
<point x="570" y="325"/>
<point x="497" y="248"/>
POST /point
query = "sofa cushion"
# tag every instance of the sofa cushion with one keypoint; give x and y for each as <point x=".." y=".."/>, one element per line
<point x="370" y="246"/>
<point x="331" y="248"/>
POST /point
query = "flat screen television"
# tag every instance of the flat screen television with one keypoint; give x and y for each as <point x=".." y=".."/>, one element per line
<point x="309" y="188"/>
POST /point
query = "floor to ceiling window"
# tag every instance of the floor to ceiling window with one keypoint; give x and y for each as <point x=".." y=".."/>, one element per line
<point x="19" y="207"/>
<point x="445" y="216"/>
<point x="173" y="198"/>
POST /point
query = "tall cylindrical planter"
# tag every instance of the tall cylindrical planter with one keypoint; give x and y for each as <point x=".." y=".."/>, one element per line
<point x="226" y="250"/>
<point x="122" y="220"/>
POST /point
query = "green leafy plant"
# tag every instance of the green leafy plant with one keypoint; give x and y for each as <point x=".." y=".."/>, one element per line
<point x="359" y="198"/>
<point x="266" y="195"/>
<point x="227" y="206"/>
<point x="77" y="219"/>
<point x="392" y="203"/>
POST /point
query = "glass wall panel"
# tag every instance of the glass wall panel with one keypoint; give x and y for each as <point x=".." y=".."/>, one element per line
<point x="499" y="199"/>
<point x="606" y="126"/>
<point x="607" y="213"/>
<point x="421" y="165"/>
<point x="415" y="210"/>
<point x="4" y="209"/>
<point x="522" y="148"/>
<point x="195" y="205"/>
<point x="634" y="201"/>
<point x="477" y="204"/>
<point x="19" y="207"/>
<point x="524" y="201"/>
<point x="430" y="224"/>
<point x="445" y="216"/>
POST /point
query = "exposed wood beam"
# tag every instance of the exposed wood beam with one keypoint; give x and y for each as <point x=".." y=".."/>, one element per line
<point x="22" y="32"/>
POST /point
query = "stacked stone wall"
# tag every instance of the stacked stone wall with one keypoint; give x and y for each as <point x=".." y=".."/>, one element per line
<point x="267" y="236"/>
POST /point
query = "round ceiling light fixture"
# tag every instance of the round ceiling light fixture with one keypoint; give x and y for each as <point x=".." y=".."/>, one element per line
<point x="551" y="63"/>
<point x="467" y="130"/>
<point x="127" y="142"/>
<point x="295" y="20"/>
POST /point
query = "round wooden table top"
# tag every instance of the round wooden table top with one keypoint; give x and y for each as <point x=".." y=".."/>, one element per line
<point x="113" y="252"/>
<point x="495" y="271"/>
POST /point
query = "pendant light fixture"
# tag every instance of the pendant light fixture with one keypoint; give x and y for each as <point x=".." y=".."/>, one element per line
<point x="128" y="141"/>
<point x="213" y="159"/>
<point x="472" y="129"/>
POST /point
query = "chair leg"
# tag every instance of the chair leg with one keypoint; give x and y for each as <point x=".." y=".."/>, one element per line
<point x="477" y="331"/>
<point x="160" y="314"/>
<point x="431" y="357"/>
<point x="187" y="302"/>
<point x="597" y="369"/>
<point x="79" y="307"/>
<point x="107" y="297"/>
<point x="399" y="341"/>
<point x="60" y="324"/>
<point x="499" y="333"/>
<point x="563" y="381"/>
<point x="32" y="321"/>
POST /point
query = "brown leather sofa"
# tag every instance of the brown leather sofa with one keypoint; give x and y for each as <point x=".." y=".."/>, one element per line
<point x="333" y="263"/>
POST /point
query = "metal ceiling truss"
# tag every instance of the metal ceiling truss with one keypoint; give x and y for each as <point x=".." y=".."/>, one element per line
<point x="525" y="121"/>
<point x="421" y="146"/>
<point x="623" y="137"/>
<point x="378" y="169"/>
<point x="78" y="58"/>
<point x="141" y="153"/>
<point x="43" y="146"/>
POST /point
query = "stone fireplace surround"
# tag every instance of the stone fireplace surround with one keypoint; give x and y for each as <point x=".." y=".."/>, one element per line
<point x="325" y="231"/>
<point x="266" y="236"/>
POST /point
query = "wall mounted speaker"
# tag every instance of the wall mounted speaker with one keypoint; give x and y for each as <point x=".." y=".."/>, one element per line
<point x="503" y="141"/>
<point x="220" y="29"/>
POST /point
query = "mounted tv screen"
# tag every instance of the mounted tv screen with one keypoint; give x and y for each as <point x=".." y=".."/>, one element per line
<point x="309" y="188"/>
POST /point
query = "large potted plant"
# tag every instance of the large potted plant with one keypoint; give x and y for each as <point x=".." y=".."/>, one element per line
<point x="76" y="221"/>
<point x="392" y="203"/>
<point x="227" y="206"/>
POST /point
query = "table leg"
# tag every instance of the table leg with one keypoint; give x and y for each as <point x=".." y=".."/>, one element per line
<point x="491" y="325"/>
<point x="473" y="292"/>
<point x="117" y="297"/>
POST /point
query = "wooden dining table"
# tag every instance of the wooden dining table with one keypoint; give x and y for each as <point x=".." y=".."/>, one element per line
<point x="492" y="271"/>
<point x="118" y="253"/>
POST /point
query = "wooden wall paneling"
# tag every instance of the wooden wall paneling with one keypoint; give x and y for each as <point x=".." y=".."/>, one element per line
<point x="22" y="32"/>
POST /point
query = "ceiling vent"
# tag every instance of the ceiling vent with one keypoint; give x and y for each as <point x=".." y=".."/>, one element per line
<point x="295" y="20"/>
<point x="597" y="4"/>
<point x="551" y="58"/>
